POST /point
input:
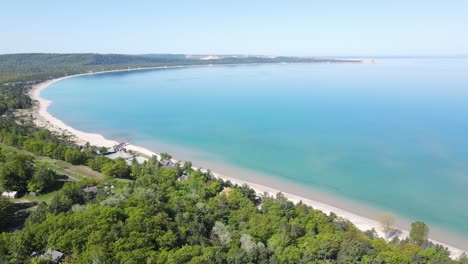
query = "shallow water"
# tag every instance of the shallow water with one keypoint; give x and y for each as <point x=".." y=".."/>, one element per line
<point x="391" y="135"/>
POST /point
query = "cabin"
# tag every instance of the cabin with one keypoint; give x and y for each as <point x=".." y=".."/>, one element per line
<point x="113" y="149"/>
<point x="90" y="192"/>
<point x="119" y="147"/>
<point x="98" y="151"/>
<point x="140" y="160"/>
<point x="12" y="194"/>
<point x="183" y="178"/>
<point x="51" y="255"/>
<point x="121" y="154"/>
<point x="167" y="163"/>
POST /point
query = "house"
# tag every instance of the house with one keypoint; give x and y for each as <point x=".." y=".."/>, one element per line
<point x="258" y="201"/>
<point x="140" y="160"/>
<point x="183" y="178"/>
<point x="167" y="163"/>
<point x="119" y="147"/>
<point x="12" y="194"/>
<point x="120" y="154"/>
<point x="113" y="149"/>
<point x="53" y="256"/>
<point x="90" y="190"/>
<point x="98" y="151"/>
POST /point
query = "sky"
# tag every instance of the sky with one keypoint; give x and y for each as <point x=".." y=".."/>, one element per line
<point x="297" y="28"/>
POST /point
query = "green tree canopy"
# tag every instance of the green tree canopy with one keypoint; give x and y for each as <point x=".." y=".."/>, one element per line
<point x="165" y="156"/>
<point x="117" y="169"/>
<point x="74" y="156"/>
<point x="15" y="172"/>
<point x="42" y="179"/>
<point x="6" y="212"/>
<point x="419" y="233"/>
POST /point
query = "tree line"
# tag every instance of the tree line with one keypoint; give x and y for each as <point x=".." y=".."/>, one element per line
<point x="156" y="218"/>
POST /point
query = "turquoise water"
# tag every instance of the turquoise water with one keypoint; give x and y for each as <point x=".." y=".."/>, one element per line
<point x="392" y="135"/>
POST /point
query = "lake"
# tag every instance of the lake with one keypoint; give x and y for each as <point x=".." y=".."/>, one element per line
<point x="391" y="135"/>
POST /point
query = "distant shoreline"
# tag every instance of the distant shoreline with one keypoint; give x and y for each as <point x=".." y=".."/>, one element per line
<point x="43" y="118"/>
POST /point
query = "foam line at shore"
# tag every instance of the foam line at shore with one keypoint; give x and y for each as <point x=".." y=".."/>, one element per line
<point x="43" y="118"/>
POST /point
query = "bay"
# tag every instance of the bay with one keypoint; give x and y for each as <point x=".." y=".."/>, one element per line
<point x="391" y="135"/>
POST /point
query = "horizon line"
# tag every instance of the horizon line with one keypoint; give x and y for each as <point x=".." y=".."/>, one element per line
<point x="257" y="55"/>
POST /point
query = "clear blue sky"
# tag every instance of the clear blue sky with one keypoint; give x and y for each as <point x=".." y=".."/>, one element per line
<point x="309" y="27"/>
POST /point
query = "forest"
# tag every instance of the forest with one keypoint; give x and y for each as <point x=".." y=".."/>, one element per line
<point x="37" y="67"/>
<point x="148" y="213"/>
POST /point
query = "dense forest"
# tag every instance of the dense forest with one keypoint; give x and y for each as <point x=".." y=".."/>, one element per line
<point x="36" y="67"/>
<point x="151" y="213"/>
<point x="154" y="218"/>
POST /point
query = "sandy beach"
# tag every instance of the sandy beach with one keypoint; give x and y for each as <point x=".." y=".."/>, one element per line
<point x="43" y="118"/>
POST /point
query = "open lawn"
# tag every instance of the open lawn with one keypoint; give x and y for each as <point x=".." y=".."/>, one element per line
<point x="65" y="171"/>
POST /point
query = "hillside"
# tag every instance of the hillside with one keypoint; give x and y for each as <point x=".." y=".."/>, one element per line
<point x="39" y="66"/>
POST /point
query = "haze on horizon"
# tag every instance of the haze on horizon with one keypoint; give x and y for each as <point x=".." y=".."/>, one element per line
<point x="300" y="28"/>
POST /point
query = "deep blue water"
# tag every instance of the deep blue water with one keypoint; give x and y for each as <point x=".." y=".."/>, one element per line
<point x="392" y="135"/>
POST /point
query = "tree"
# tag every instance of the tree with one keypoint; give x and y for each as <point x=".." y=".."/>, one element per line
<point x="324" y="246"/>
<point x="438" y="255"/>
<point x="118" y="169"/>
<point x="134" y="169"/>
<point x="353" y="249"/>
<point x="16" y="172"/>
<point x="69" y="195"/>
<point x="247" y="243"/>
<point x="98" y="162"/>
<point x="187" y="167"/>
<point x="387" y="222"/>
<point x="248" y="192"/>
<point x="372" y="234"/>
<point x="419" y="233"/>
<point x="6" y="212"/>
<point x="463" y="258"/>
<point x="42" y="179"/>
<point x="39" y="215"/>
<point x="4" y="247"/>
<point x="34" y="145"/>
<point x="74" y="156"/>
<point x="165" y="156"/>
<point x="103" y="150"/>
<point x="221" y="233"/>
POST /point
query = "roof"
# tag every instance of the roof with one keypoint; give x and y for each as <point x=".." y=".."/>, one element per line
<point x="53" y="255"/>
<point x="183" y="177"/>
<point x="167" y="163"/>
<point x="118" y="147"/>
<point x="92" y="189"/>
<point x="12" y="194"/>
<point x="119" y="154"/>
<point x="140" y="160"/>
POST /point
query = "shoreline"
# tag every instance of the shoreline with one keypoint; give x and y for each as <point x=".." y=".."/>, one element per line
<point x="43" y="118"/>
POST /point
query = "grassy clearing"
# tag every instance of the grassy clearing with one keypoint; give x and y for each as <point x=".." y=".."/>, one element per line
<point x="65" y="171"/>
<point x="73" y="172"/>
